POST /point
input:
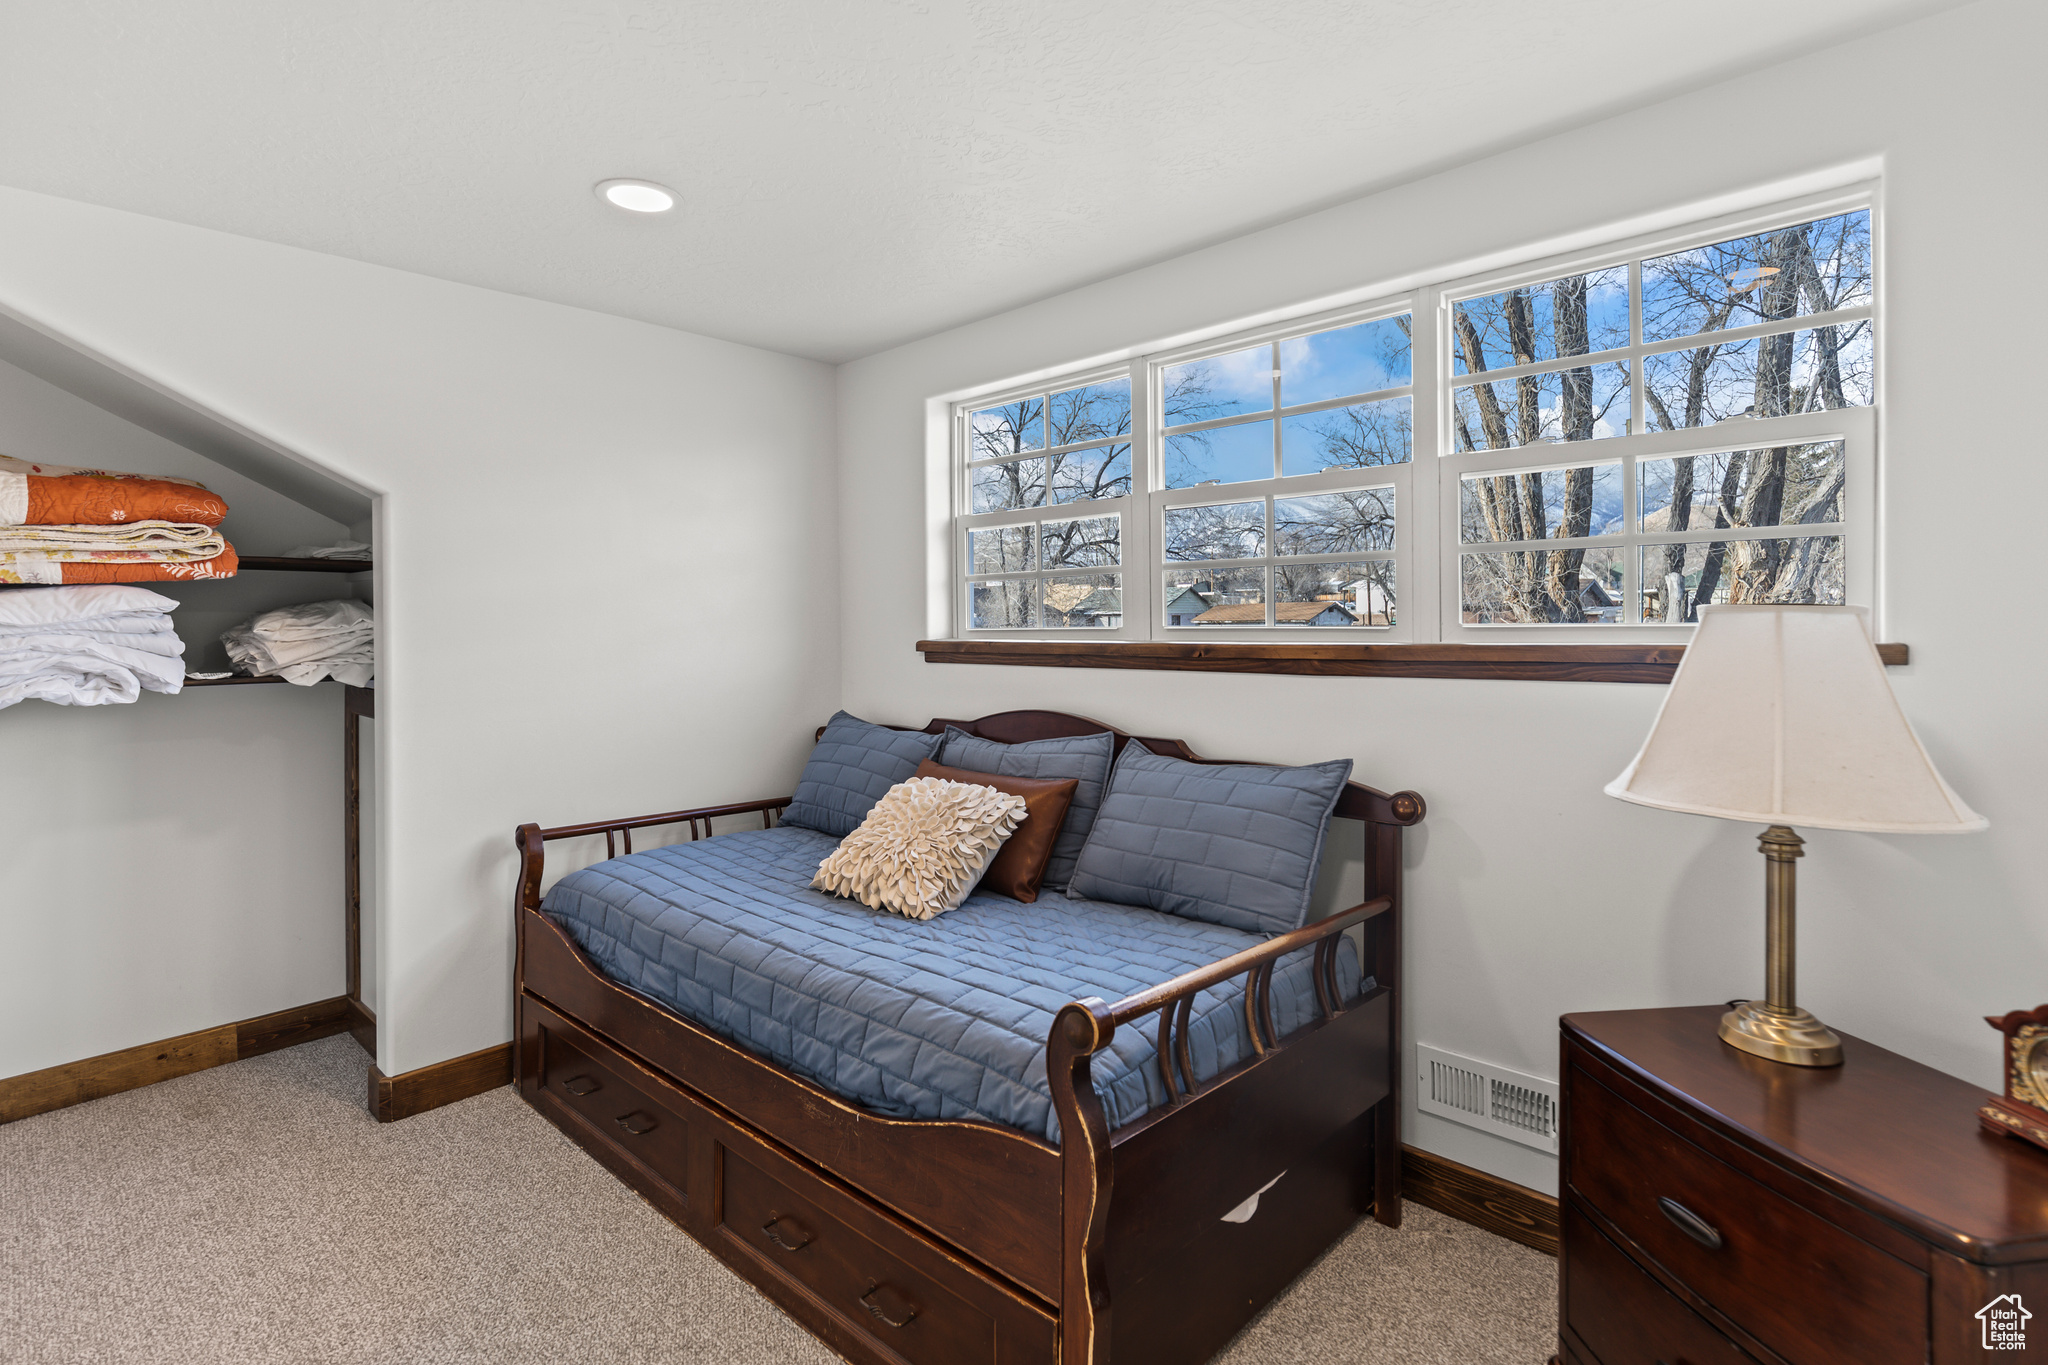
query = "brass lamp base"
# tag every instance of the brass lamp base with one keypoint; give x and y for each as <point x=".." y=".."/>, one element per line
<point x="1775" y="1027"/>
<point x="1794" y="1036"/>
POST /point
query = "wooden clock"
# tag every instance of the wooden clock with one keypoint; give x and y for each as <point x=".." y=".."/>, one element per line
<point x="2022" y="1111"/>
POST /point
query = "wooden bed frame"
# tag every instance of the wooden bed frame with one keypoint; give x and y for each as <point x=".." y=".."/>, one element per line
<point x="937" y="1242"/>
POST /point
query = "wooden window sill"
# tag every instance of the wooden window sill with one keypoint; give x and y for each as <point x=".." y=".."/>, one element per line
<point x="1532" y="663"/>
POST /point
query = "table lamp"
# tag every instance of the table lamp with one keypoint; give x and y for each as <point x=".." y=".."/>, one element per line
<point x="1782" y="715"/>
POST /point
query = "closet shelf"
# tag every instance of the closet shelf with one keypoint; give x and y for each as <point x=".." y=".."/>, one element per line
<point x="241" y="680"/>
<point x="307" y="565"/>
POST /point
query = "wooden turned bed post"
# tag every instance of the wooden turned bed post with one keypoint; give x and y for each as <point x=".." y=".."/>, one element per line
<point x="1385" y="817"/>
<point x="533" y="853"/>
<point x="1081" y="1030"/>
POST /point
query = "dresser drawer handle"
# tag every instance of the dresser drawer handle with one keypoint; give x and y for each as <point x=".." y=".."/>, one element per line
<point x="796" y="1230"/>
<point x="637" y="1122"/>
<point x="581" y="1085"/>
<point x="872" y="1302"/>
<point x="1691" y="1224"/>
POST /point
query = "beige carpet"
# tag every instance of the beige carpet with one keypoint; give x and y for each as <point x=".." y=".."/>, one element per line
<point x="256" y="1213"/>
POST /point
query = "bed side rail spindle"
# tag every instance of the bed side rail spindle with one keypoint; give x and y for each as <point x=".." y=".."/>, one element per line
<point x="532" y="839"/>
<point x="1174" y="1000"/>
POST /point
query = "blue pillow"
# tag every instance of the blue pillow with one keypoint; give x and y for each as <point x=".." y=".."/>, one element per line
<point x="1083" y="757"/>
<point x="853" y="767"/>
<point x="1232" y="844"/>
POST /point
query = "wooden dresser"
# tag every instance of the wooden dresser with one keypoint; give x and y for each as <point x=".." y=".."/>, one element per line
<point x="1719" y="1209"/>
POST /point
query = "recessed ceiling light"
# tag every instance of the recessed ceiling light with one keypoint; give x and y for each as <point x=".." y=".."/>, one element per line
<point x="637" y="196"/>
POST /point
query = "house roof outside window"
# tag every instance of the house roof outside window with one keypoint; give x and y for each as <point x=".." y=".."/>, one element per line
<point x="1285" y="613"/>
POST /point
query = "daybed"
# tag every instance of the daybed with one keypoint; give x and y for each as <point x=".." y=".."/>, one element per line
<point x="1147" y="1189"/>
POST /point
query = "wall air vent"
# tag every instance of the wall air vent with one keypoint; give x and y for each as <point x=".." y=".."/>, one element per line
<point x="1490" y="1098"/>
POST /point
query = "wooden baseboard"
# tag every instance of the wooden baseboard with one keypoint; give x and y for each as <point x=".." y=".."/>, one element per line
<point x="38" y="1092"/>
<point x="1500" y="1206"/>
<point x="414" y="1092"/>
<point x="362" y="1026"/>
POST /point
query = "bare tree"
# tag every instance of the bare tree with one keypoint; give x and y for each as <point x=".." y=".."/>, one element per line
<point x="1773" y="278"/>
<point x="1534" y="585"/>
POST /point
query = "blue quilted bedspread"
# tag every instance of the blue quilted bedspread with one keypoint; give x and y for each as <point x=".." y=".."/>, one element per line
<point x="944" y="1018"/>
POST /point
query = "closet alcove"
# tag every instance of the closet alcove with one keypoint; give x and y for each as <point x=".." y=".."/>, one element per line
<point x="142" y="917"/>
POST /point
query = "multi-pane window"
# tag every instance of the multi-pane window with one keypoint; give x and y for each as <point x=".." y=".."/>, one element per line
<point x="1742" y="331"/>
<point x="1302" y="431"/>
<point x="1609" y="445"/>
<point x="1055" y="457"/>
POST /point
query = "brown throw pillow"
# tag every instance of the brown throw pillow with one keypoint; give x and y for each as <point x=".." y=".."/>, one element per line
<point x="1020" y="866"/>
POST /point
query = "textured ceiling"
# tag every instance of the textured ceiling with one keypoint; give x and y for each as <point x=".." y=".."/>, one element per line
<point x="853" y="174"/>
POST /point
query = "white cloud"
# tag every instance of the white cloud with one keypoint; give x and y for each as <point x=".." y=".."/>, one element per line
<point x="1240" y="371"/>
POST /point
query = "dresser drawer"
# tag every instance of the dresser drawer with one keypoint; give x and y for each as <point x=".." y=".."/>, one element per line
<point x="1622" y="1315"/>
<point x="892" y="1290"/>
<point x="644" y="1121"/>
<point x="1798" y="1284"/>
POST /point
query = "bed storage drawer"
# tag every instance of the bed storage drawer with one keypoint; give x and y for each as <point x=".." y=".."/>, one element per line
<point x="884" y="1291"/>
<point x="646" y="1122"/>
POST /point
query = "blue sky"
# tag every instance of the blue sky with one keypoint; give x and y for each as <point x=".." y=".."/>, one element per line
<point x="1337" y="363"/>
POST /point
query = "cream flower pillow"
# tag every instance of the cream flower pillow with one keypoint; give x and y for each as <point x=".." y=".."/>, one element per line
<point x="923" y="847"/>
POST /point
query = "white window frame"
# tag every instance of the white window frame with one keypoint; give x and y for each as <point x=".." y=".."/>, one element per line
<point x="1400" y="477"/>
<point x="1128" y="508"/>
<point x="1855" y="427"/>
<point x="1426" y="488"/>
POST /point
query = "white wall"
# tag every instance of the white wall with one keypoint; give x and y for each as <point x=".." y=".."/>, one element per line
<point x="599" y="549"/>
<point x="175" y="864"/>
<point x="1530" y="894"/>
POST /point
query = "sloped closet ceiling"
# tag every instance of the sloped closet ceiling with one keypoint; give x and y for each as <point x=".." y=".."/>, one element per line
<point x="854" y="174"/>
<point x="176" y="419"/>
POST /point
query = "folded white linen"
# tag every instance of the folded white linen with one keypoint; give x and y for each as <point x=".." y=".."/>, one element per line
<point x="85" y="672"/>
<point x="87" y="644"/>
<point x="307" y="643"/>
<point x="354" y="669"/>
<point x="79" y="602"/>
<point x="59" y="640"/>
<point x="169" y="668"/>
<point x="278" y="654"/>
<point x="84" y="682"/>
<point x="126" y="623"/>
<point x="166" y="542"/>
<point x="353" y="666"/>
<point x="347" y="549"/>
<point x="312" y="620"/>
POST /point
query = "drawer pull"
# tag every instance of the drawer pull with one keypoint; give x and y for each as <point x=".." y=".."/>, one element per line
<point x="872" y="1301"/>
<point x="581" y="1085"/>
<point x="796" y="1230"/>
<point x="1691" y="1224"/>
<point x="637" y="1122"/>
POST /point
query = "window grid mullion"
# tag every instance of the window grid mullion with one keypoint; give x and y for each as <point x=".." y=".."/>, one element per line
<point x="1638" y="422"/>
<point x="1631" y="526"/>
<point x="1272" y="578"/>
<point x="1273" y="355"/>
<point x="1236" y="419"/>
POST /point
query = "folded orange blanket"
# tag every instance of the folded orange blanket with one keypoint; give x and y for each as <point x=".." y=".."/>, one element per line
<point x="34" y="494"/>
<point x="222" y="565"/>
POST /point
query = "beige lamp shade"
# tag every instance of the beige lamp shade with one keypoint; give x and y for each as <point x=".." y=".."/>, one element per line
<point x="1782" y="715"/>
